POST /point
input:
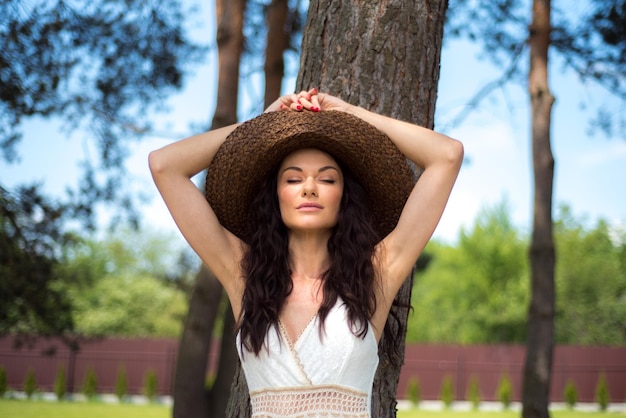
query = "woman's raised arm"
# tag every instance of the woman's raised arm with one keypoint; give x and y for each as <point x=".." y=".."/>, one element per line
<point x="172" y="168"/>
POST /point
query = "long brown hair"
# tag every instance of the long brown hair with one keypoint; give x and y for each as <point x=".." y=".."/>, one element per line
<point x="265" y="264"/>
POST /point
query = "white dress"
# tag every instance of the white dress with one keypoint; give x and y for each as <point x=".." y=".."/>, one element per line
<point x="328" y="375"/>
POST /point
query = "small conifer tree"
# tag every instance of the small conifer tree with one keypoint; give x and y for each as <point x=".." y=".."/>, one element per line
<point x="90" y="385"/>
<point x="602" y="393"/>
<point x="414" y="391"/>
<point x="505" y="390"/>
<point x="121" y="384"/>
<point x="473" y="392"/>
<point x="570" y="394"/>
<point x="447" y="391"/>
<point x="60" y="384"/>
<point x="150" y="385"/>
<point x="4" y="385"/>
<point x="30" y="383"/>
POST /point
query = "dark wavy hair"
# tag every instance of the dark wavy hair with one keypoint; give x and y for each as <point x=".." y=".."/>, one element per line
<point x="267" y="273"/>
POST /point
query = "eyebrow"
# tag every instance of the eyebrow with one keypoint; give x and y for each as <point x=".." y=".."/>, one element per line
<point x="325" y="168"/>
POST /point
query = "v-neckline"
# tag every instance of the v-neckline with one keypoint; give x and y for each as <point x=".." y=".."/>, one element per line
<point x="285" y="333"/>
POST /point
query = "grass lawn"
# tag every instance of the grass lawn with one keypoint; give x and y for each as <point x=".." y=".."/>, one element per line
<point x="416" y="413"/>
<point x="42" y="409"/>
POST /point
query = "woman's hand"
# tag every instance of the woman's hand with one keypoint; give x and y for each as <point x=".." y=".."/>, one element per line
<point x="310" y="100"/>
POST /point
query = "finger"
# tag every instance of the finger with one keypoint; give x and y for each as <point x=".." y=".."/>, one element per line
<point x="296" y="106"/>
<point x="315" y="103"/>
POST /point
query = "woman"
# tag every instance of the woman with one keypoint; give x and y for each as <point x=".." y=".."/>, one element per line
<point x="312" y="221"/>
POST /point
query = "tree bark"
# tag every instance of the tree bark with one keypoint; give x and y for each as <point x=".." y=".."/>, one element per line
<point x="190" y="395"/>
<point x="540" y="343"/>
<point x="383" y="56"/>
<point x="191" y="399"/>
<point x="277" y="43"/>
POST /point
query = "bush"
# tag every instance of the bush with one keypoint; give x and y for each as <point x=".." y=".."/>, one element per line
<point x="4" y="386"/>
<point x="90" y="385"/>
<point x="473" y="392"/>
<point x="30" y="383"/>
<point x="414" y="391"/>
<point x="60" y="384"/>
<point x="570" y="394"/>
<point x="447" y="391"/>
<point x="505" y="390"/>
<point x="602" y="393"/>
<point x="150" y="385"/>
<point x="121" y="384"/>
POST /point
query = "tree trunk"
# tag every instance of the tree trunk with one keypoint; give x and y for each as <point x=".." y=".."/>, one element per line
<point x="383" y="56"/>
<point x="277" y="43"/>
<point x="190" y="395"/>
<point x="191" y="399"/>
<point x="539" y="347"/>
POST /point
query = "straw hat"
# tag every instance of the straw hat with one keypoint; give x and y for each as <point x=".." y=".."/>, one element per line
<point x="253" y="150"/>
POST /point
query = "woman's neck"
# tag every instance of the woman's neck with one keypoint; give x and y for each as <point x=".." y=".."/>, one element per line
<point x="309" y="258"/>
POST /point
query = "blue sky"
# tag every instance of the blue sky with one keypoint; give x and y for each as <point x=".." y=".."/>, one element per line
<point x="589" y="174"/>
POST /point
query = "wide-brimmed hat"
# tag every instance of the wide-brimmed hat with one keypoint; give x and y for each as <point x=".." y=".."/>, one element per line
<point x="255" y="149"/>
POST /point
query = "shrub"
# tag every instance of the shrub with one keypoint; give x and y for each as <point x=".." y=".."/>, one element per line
<point x="414" y="391"/>
<point x="121" y="384"/>
<point x="30" y="383"/>
<point x="570" y="394"/>
<point x="4" y="386"/>
<point x="602" y="393"/>
<point x="473" y="392"/>
<point x="60" y="384"/>
<point x="447" y="391"/>
<point x="505" y="390"/>
<point x="150" y="385"/>
<point x="90" y="385"/>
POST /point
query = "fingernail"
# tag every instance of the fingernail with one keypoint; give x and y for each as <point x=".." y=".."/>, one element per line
<point x="299" y="107"/>
<point x="315" y="108"/>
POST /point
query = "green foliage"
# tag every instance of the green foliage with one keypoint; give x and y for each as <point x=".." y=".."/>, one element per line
<point x="414" y="391"/>
<point x="150" y="385"/>
<point x="473" y="392"/>
<point x="602" y="397"/>
<point x="122" y="277"/>
<point x="4" y="386"/>
<point x="30" y="238"/>
<point x="90" y="385"/>
<point x="30" y="383"/>
<point x="589" y="313"/>
<point x="570" y="394"/>
<point x="447" y="391"/>
<point x="60" y="383"/>
<point x="476" y="292"/>
<point x="121" y="384"/>
<point x="505" y="391"/>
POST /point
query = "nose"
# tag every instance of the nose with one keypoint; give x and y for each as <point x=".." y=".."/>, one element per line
<point x="309" y="187"/>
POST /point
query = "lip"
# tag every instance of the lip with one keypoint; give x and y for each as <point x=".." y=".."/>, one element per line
<point x="309" y="206"/>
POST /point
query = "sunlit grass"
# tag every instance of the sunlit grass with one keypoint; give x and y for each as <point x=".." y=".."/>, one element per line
<point x="44" y="409"/>
<point x="416" y="413"/>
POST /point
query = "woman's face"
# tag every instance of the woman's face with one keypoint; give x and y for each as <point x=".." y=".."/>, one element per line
<point x="309" y="187"/>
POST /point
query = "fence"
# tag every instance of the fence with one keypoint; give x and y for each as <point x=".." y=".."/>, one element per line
<point x="431" y="364"/>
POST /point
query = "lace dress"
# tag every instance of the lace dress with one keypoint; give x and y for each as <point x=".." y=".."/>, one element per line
<point x="315" y="376"/>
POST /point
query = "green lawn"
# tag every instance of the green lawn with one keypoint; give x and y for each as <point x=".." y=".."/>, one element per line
<point x="510" y="414"/>
<point x="42" y="409"/>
